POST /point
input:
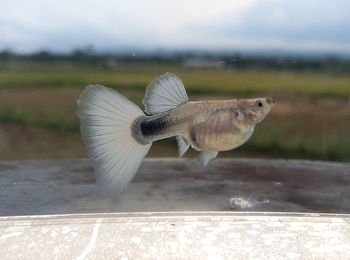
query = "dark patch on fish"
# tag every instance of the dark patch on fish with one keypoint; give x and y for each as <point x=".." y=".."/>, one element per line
<point x="153" y="127"/>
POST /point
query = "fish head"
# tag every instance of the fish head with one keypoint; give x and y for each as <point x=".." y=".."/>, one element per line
<point x="257" y="109"/>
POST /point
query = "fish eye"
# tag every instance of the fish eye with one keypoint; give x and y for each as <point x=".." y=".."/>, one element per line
<point x="259" y="104"/>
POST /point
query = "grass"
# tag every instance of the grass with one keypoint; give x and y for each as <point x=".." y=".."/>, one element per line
<point x="51" y="121"/>
<point x="311" y="119"/>
<point x="197" y="81"/>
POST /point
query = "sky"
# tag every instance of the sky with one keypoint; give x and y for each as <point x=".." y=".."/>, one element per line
<point x="222" y="25"/>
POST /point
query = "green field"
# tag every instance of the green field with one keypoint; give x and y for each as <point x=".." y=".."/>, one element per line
<point x="37" y="112"/>
<point x="198" y="81"/>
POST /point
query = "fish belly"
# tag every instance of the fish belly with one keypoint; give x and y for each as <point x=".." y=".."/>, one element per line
<point x="220" y="132"/>
<point x="218" y="142"/>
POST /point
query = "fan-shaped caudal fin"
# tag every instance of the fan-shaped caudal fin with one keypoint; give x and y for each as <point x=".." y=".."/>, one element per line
<point x="106" y="118"/>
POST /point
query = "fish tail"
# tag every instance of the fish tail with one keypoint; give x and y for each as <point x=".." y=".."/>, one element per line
<point x="106" y="123"/>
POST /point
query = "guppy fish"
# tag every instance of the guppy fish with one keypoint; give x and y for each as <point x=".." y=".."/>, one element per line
<point x="118" y="134"/>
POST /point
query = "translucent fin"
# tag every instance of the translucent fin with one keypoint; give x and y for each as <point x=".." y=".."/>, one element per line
<point x="183" y="144"/>
<point x="206" y="156"/>
<point x="105" y="124"/>
<point x="164" y="93"/>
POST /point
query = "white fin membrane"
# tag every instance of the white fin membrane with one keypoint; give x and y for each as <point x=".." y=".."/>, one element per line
<point x="183" y="144"/>
<point x="164" y="93"/>
<point x="206" y="156"/>
<point x="106" y="118"/>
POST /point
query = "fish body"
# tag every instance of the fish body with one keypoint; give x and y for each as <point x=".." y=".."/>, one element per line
<point x="118" y="134"/>
<point x="207" y="125"/>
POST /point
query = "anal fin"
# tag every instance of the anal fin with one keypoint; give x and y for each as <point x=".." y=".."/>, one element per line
<point x="183" y="144"/>
<point x="206" y="156"/>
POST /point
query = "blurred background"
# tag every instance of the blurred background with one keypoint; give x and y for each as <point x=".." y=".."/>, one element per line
<point x="296" y="51"/>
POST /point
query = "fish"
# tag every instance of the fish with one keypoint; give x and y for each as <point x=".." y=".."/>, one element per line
<point x="118" y="134"/>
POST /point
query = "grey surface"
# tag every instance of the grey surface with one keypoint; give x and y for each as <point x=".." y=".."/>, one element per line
<point x="68" y="186"/>
<point x="176" y="236"/>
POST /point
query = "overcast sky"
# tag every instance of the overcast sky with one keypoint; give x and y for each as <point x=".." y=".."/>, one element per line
<point x="296" y="25"/>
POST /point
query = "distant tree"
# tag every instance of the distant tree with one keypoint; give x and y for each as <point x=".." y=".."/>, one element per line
<point x="43" y="55"/>
<point x="7" y="55"/>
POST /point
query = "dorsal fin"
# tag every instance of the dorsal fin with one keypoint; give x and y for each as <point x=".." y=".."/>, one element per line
<point x="164" y="93"/>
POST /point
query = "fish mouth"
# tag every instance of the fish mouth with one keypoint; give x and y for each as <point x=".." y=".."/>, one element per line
<point x="270" y="101"/>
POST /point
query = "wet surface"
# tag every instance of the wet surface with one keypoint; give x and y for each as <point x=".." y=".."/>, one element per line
<point x="68" y="186"/>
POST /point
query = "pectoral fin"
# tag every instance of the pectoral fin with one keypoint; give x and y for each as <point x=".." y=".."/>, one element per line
<point x="206" y="156"/>
<point x="251" y="114"/>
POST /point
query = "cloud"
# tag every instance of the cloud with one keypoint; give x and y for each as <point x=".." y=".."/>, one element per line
<point x="62" y="25"/>
<point x="312" y="24"/>
<point x="196" y="24"/>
